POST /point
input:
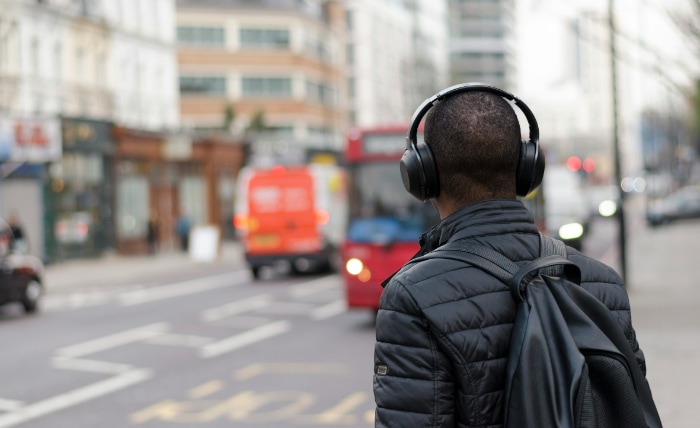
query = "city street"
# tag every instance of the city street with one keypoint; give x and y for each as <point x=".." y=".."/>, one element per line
<point x="210" y="348"/>
<point x="163" y="341"/>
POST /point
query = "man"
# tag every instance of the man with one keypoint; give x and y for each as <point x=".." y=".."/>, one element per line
<point x="443" y="326"/>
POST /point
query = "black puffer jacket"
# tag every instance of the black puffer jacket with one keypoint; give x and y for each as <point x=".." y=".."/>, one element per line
<point x="443" y="326"/>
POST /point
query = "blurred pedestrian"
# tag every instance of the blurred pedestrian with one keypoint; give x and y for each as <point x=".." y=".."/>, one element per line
<point x="182" y="229"/>
<point x="5" y="241"/>
<point x="443" y="326"/>
<point x="19" y="238"/>
<point x="152" y="236"/>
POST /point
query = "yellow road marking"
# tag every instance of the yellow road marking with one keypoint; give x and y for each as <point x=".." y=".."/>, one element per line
<point x="338" y="414"/>
<point x="206" y="389"/>
<point x="258" y="369"/>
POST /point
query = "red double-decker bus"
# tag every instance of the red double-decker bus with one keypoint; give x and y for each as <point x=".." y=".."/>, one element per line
<point x="384" y="221"/>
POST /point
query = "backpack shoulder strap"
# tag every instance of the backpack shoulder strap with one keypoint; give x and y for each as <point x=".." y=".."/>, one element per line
<point x="550" y="246"/>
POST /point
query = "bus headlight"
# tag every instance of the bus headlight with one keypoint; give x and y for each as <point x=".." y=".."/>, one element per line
<point x="571" y="231"/>
<point x="354" y="266"/>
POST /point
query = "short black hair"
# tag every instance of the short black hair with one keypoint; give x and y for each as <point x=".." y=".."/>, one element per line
<point x="475" y="139"/>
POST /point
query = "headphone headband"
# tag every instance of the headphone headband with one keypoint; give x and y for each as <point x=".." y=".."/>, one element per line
<point x="419" y="169"/>
<point x="422" y="110"/>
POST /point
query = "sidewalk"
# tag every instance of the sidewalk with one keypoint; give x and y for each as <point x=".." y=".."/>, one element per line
<point x="664" y="288"/>
<point x="113" y="269"/>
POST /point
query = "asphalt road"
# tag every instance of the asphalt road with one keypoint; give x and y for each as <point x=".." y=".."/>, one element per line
<point x="208" y="351"/>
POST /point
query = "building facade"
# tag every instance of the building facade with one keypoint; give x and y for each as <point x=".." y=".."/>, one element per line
<point x="90" y="144"/>
<point x="272" y="69"/>
<point x="396" y="57"/>
<point x="483" y="42"/>
<point x="159" y="177"/>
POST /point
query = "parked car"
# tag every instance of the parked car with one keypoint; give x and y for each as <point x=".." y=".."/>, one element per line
<point x="21" y="275"/>
<point x="684" y="203"/>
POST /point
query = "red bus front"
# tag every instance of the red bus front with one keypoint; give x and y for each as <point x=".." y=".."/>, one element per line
<point x="384" y="221"/>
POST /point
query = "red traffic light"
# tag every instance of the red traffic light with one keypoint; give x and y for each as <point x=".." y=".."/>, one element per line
<point x="573" y="163"/>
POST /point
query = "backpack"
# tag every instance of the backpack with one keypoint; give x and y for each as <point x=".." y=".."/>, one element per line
<point x="569" y="362"/>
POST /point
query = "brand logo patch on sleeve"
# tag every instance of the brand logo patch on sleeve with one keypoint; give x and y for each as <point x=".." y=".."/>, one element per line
<point x="382" y="370"/>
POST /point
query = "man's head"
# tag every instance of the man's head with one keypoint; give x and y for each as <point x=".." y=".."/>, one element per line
<point x="475" y="139"/>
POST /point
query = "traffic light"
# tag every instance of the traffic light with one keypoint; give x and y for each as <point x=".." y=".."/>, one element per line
<point x="573" y="163"/>
<point x="585" y="166"/>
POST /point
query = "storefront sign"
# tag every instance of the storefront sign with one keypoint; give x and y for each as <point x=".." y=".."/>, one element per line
<point x="30" y="140"/>
<point x="87" y="135"/>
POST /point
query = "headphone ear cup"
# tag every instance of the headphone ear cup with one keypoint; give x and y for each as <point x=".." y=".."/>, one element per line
<point x="410" y="172"/>
<point x="419" y="172"/>
<point x="530" y="169"/>
<point x="431" y="187"/>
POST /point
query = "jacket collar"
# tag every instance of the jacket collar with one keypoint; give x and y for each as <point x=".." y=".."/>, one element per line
<point x="484" y="217"/>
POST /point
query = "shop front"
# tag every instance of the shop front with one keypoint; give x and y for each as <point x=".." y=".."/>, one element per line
<point x="27" y="146"/>
<point x="161" y="177"/>
<point x="80" y="193"/>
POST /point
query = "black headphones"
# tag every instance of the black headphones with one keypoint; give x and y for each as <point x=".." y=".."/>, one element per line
<point x="419" y="171"/>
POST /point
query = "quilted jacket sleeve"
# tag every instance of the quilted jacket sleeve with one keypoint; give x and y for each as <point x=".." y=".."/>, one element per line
<point x="413" y="385"/>
<point x="604" y="283"/>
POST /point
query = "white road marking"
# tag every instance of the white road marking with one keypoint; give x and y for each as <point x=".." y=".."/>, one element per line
<point x="92" y="366"/>
<point x="287" y="308"/>
<point x="244" y="339"/>
<point x="244" y="321"/>
<point x="114" y="340"/>
<point x="182" y="288"/>
<point x="330" y="310"/>
<point x="315" y="286"/>
<point x="7" y="405"/>
<point x="235" y="308"/>
<point x="73" y="398"/>
<point x="186" y="340"/>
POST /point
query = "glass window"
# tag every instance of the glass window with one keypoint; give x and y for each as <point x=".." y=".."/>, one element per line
<point x="203" y="85"/>
<point x="482" y="55"/>
<point x="35" y="56"/>
<point x="320" y="92"/>
<point x="380" y="208"/>
<point x="350" y="53"/>
<point x="58" y="61"/>
<point x="4" y="50"/>
<point x="192" y="195"/>
<point x="132" y="207"/>
<point x="201" y="36"/>
<point x="257" y="38"/>
<point x="267" y="86"/>
<point x="349" y="20"/>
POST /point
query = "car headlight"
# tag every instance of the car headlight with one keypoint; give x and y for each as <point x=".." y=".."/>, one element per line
<point x="607" y="208"/>
<point x="571" y="231"/>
